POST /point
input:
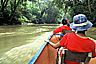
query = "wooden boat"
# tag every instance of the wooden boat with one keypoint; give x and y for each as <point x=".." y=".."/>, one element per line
<point x="49" y="55"/>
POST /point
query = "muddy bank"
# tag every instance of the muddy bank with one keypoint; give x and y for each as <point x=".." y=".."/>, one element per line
<point x="91" y="32"/>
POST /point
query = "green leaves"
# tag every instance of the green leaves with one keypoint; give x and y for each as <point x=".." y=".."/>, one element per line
<point x="46" y="11"/>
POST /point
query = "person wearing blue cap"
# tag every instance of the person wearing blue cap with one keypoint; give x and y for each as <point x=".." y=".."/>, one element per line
<point x="78" y="41"/>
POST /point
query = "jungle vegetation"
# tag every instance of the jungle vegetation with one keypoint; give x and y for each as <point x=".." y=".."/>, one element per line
<point x="13" y="12"/>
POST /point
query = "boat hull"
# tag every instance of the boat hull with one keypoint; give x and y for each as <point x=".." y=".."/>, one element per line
<point x="47" y="56"/>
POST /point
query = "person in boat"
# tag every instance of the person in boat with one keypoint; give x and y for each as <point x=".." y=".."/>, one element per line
<point x="78" y="41"/>
<point x="64" y="27"/>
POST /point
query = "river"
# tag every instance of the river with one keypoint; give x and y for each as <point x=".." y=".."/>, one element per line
<point x="19" y="43"/>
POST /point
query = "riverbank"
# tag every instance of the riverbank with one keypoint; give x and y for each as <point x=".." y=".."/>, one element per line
<point x="91" y="32"/>
<point x="43" y="24"/>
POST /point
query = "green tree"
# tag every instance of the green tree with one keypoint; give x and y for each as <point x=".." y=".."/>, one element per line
<point x="10" y="10"/>
<point x="73" y="7"/>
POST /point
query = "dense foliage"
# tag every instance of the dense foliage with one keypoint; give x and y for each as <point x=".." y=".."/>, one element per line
<point x="24" y="11"/>
<point x="44" y="11"/>
<point x="83" y="7"/>
<point x="73" y="7"/>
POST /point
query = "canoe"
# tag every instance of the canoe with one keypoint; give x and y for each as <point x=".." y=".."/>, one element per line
<point x="49" y="55"/>
<point x="46" y="54"/>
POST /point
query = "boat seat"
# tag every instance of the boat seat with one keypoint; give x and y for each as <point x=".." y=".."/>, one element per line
<point x="74" y="56"/>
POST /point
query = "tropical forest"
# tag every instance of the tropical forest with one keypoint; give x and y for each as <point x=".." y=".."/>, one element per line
<point x="16" y="12"/>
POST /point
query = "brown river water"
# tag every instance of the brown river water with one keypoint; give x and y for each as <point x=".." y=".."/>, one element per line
<point x="18" y="44"/>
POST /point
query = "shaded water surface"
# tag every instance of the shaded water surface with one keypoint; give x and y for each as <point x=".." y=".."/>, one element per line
<point x="18" y="44"/>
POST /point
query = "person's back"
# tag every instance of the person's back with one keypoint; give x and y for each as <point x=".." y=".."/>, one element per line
<point x="77" y="43"/>
<point x="61" y="28"/>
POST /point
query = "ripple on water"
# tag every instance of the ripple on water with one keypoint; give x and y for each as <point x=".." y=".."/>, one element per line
<point x="22" y="54"/>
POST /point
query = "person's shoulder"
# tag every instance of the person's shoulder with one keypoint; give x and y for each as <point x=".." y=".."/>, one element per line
<point x="69" y="35"/>
<point x="91" y="40"/>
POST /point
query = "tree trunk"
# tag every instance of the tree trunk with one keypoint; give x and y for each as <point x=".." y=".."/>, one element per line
<point x="3" y="4"/>
<point x="13" y="10"/>
<point x="74" y="1"/>
<point x="89" y="6"/>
